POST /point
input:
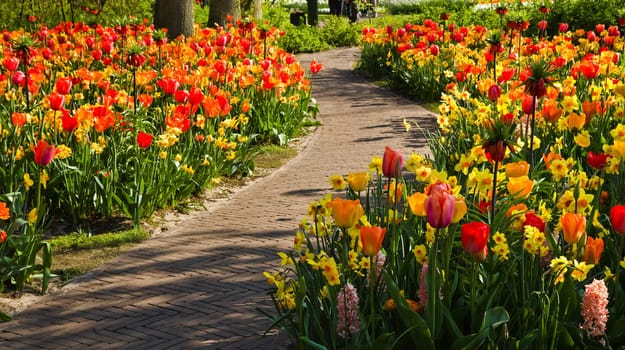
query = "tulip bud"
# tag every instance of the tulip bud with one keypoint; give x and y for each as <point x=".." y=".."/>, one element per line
<point x="494" y="92"/>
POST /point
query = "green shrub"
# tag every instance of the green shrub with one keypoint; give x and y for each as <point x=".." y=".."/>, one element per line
<point x="338" y="31"/>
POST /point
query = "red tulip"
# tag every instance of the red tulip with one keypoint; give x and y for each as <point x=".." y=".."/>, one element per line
<point x="181" y="96"/>
<point x="392" y="162"/>
<point x="617" y="219"/>
<point x="11" y="63"/>
<point x="56" y="101"/>
<point x="494" y="92"/>
<point x="371" y="238"/>
<point x="315" y="67"/>
<point x="19" y="78"/>
<point x="196" y="96"/>
<point x="169" y="85"/>
<point x="434" y="50"/>
<point x="597" y="160"/>
<point x="69" y="123"/>
<point x="44" y="153"/>
<point x="563" y="27"/>
<point x="96" y="55"/>
<point x="144" y="140"/>
<point x="531" y="219"/>
<point x="591" y="36"/>
<point x="542" y="25"/>
<point x="589" y="69"/>
<point x="528" y="104"/>
<point x="439" y="205"/>
<point x="474" y="237"/>
<point x="64" y="85"/>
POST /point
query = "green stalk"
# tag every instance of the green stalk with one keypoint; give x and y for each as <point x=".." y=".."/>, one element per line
<point x="372" y="277"/>
<point x="432" y="288"/>
<point x="531" y="150"/>
<point x="473" y="294"/>
<point x="494" y="194"/>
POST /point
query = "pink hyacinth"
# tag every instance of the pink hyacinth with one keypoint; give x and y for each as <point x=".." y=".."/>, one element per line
<point x="595" y="308"/>
<point x="380" y="260"/>
<point x="423" y="289"/>
<point x="379" y="264"/>
<point x="347" y="305"/>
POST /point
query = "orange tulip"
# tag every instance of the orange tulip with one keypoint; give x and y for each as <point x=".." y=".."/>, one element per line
<point x="520" y="187"/>
<point x="593" y="250"/>
<point x="517" y="169"/>
<point x="371" y="239"/>
<point x="576" y="121"/>
<point x="573" y="227"/>
<point x="345" y="212"/>
<point x="5" y="212"/>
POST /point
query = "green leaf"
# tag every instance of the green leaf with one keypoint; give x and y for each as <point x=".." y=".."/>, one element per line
<point x="311" y="343"/>
<point x="47" y="264"/>
<point x="381" y="342"/>
<point x="4" y="317"/>
<point x="416" y="326"/>
<point x="615" y="331"/>
<point x="493" y="318"/>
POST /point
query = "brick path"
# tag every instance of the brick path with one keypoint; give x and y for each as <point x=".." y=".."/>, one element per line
<point x="199" y="284"/>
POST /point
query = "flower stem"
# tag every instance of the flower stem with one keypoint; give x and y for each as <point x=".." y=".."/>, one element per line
<point x="473" y="296"/>
<point x="531" y="150"/>
<point x="372" y="280"/>
<point x="432" y="287"/>
<point x="494" y="194"/>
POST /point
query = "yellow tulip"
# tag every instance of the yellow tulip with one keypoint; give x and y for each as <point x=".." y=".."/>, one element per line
<point x="358" y="181"/>
<point x="582" y="139"/>
<point x="460" y="208"/>
<point x="520" y="187"/>
<point x="416" y="202"/>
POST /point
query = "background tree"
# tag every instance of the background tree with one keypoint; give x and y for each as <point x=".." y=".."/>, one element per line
<point x="176" y="16"/>
<point x="220" y="9"/>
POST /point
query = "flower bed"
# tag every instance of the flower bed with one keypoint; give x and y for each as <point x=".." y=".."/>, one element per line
<point x="511" y="236"/>
<point x="108" y="121"/>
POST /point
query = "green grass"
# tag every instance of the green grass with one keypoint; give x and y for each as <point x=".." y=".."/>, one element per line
<point x="81" y="240"/>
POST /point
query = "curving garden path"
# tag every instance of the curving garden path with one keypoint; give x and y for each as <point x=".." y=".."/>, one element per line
<point x="199" y="284"/>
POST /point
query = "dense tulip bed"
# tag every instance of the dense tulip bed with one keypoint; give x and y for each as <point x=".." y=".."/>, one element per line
<point x="511" y="236"/>
<point x="107" y="121"/>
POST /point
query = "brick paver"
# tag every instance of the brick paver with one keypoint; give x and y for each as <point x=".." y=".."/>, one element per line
<point x="199" y="285"/>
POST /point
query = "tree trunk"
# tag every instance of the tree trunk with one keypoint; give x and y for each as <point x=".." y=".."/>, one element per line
<point x="313" y="12"/>
<point x="257" y="9"/>
<point x="176" y="16"/>
<point x="220" y="9"/>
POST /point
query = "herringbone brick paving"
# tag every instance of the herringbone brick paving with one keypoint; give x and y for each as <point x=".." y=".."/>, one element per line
<point x="198" y="286"/>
